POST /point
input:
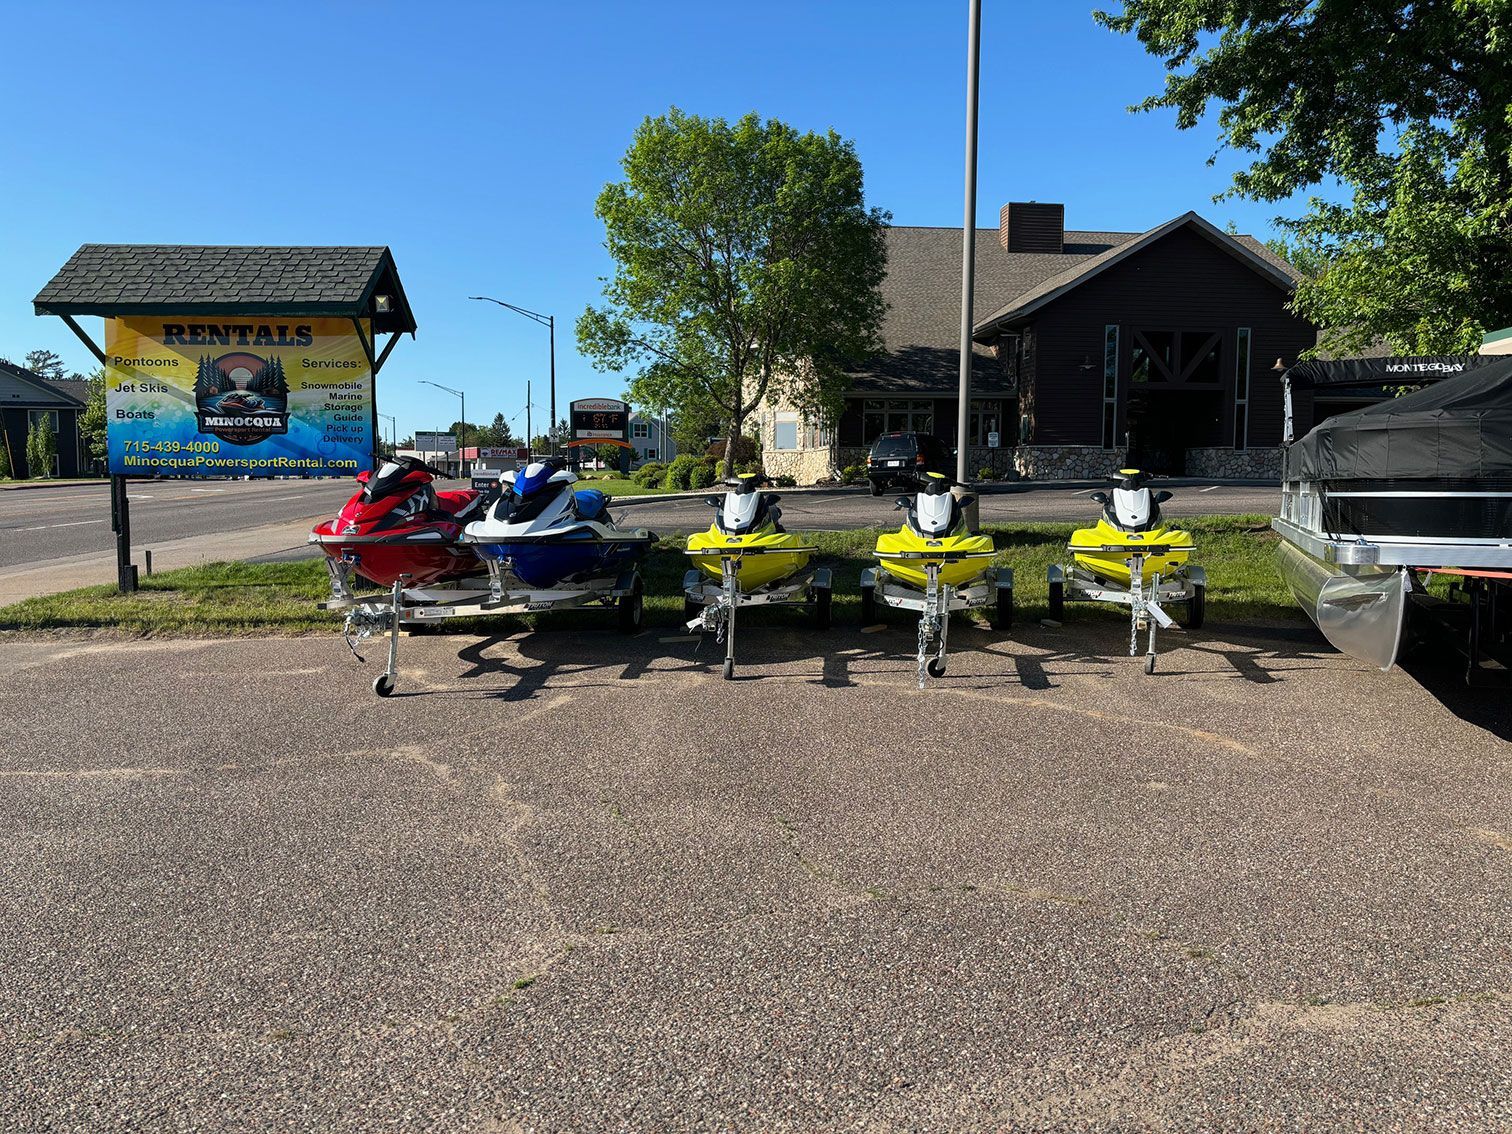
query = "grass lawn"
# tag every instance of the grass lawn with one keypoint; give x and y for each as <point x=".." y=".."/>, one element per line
<point x="280" y="598"/>
<point x="611" y="485"/>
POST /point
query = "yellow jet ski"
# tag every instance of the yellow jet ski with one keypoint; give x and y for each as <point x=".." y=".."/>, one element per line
<point x="747" y="558"/>
<point x="933" y="564"/>
<point x="1134" y="558"/>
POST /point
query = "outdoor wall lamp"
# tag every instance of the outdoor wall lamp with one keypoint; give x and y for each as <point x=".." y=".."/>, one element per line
<point x="382" y="304"/>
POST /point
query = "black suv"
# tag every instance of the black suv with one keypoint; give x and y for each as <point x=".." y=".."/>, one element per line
<point x="902" y="458"/>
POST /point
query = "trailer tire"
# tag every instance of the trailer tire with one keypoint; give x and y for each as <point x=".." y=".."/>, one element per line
<point x="1057" y="602"/>
<point x="383" y="685"/>
<point x="936" y="667"/>
<point x="822" y="601"/>
<point x="1002" y="613"/>
<point x="868" y="605"/>
<point x="1196" y="607"/>
<point x="632" y="608"/>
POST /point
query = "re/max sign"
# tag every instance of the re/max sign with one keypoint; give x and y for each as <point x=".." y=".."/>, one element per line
<point x="240" y="334"/>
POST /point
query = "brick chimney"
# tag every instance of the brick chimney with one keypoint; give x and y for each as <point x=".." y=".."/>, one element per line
<point x="1028" y="226"/>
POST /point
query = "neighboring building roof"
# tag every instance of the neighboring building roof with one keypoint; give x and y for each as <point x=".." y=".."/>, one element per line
<point x="922" y="326"/>
<point x="184" y="279"/>
<point x="75" y="388"/>
<point x="921" y="329"/>
<point x="20" y="387"/>
<point x="1246" y="249"/>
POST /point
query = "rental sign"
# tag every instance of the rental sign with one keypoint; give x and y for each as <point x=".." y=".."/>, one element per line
<point x="257" y="396"/>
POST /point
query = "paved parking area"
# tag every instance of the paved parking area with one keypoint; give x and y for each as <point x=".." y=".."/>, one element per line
<point x="575" y="881"/>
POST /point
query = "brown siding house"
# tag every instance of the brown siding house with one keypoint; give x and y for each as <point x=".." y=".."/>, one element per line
<point x="1093" y="349"/>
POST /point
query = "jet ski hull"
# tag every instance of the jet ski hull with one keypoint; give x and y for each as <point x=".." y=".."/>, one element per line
<point x="771" y="564"/>
<point x="546" y="562"/>
<point x="1090" y="549"/>
<point x="952" y="572"/>
<point x="428" y="555"/>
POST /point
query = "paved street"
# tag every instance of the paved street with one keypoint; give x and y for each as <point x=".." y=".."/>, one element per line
<point x="856" y="508"/>
<point x="42" y="524"/>
<point x="567" y="880"/>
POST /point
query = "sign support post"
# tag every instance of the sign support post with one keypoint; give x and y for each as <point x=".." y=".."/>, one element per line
<point x="120" y="524"/>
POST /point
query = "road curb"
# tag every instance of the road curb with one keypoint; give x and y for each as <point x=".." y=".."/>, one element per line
<point x="27" y="485"/>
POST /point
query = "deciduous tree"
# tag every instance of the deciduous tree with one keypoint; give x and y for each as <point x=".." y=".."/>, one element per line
<point x="746" y="263"/>
<point x="1407" y="104"/>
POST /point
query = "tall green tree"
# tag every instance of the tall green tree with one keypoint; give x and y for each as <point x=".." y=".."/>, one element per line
<point x="1407" y="104"/>
<point x="746" y="264"/>
<point x="92" y="419"/>
<point x="45" y="363"/>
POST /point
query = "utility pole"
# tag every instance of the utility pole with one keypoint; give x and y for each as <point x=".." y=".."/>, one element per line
<point x="528" y="432"/>
<point x="968" y="251"/>
<point x="549" y="322"/>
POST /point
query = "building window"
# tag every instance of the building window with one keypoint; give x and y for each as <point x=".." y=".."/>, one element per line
<point x="650" y="454"/>
<point x="880" y="416"/>
<point x="986" y="417"/>
<point x="785" y="432"/>
<point x="640" y="429"/>
<point x="1110" y="387"/>
<point x="46" y="418"/>
<point x="1241" y="387"/>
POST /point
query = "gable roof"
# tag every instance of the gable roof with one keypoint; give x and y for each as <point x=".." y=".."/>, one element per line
<point x="1246" y="249"/>
<point x="22" y="387"/>
<point x="922" y="325"/>
<point x="194" y="279"/>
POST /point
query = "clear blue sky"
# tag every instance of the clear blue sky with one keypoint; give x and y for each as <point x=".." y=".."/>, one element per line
<point x="473" y="138"/>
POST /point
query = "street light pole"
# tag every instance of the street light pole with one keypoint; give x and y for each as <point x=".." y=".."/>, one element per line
<point x="549" y="322"/>
<point x="968" y="243"/>
<point x="462" y="426"/>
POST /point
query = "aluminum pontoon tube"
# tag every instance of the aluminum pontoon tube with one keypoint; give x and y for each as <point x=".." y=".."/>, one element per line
<point x="1361" y="611"/>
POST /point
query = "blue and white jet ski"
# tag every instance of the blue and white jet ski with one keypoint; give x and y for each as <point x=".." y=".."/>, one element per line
<point x="544" y="532"/>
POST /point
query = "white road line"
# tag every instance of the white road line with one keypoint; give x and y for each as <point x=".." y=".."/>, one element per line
<point x="207" y="490"/>
<point x="141" y="497"/>
<point x="71" y="524"/>
<point x="1210" y="489"/>
<point x="1083" y="491"/>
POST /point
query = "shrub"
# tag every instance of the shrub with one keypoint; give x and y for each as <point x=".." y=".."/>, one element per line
<point x="680" y="472"/>
<point x="749" y="467"/>
<point x="703" y="476"/>
<point x="784" y="482"/>
<point x="650" y="474"/>
<point x="985" y="473"/>
<point x="852" y="474"/>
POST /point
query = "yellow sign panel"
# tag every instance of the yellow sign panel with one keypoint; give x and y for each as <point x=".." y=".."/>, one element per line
<point x="219" y="396"/>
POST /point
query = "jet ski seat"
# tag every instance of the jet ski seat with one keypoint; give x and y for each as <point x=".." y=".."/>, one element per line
<point x="591" y="504"/>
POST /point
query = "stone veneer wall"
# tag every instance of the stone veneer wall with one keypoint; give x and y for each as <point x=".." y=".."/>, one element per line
<point x="1067" y="462"/>
<point x="806" y="466"/>
<point x="1234" y="464"/>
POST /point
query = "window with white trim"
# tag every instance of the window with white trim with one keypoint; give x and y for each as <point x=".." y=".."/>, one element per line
<point x="785" y="431"/>
<point x="640" y="429"/>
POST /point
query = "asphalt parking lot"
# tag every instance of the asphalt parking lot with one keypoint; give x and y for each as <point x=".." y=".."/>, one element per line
<point x="575" y="881"/>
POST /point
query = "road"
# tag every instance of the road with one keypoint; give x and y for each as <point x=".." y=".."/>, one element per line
<point x="567" y="880"/>
<point x="44" y="524"/>
<point x="847" y="508"/>
<point x="41" y="524"/>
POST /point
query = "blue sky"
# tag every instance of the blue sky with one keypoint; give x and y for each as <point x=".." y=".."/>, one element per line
<point x="473" y="138"/>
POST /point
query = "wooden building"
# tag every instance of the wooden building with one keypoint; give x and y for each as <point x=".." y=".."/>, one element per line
<point x="28" y="400"/>
<point x="1093" y="349"/>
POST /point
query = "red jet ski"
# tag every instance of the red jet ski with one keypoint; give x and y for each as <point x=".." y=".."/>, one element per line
<point x="397" y="524"/>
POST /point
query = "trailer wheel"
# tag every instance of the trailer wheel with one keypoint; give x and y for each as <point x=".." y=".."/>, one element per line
<point x="822" y="598"/>
<point x="1002" y="613"/>
<point x="936" y="667"/>
<point x="1149" y="663"/>
<point x="868" y="605"/>
<point x="383" y="685"/>
<point x="632" y="607"/>
<point x="729" y="669"/>
<point x="1196" y="607"/>
<point x="1058" y="602"/>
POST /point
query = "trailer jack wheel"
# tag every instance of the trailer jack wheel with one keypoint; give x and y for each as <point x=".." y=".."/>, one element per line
<point x="936" y="667"/>
<point x="383" y="685"/>
<point x="1149" y="663"/>
<point x="729" y="669"/>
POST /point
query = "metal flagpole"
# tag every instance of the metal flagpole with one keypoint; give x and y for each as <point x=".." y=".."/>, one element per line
<point x="968" y="248"/>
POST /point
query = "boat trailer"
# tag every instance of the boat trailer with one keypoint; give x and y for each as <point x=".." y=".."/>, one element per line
<point x="1187" y="586"/>
<point x="416" y="607"/>
<point x="710" y="607"/>
<point x="937" y="601"/>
